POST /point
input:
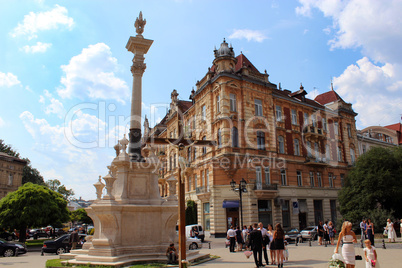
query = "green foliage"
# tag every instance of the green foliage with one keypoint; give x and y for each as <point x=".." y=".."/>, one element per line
<point x="379" y="218"/>
<point x="191" y="212"/>
<point x="56" y="186"/>
<point x="5" y="148"/>
<point x="373" y="183"/>
<point x="80" y="215"/>
<point x="33" y="205"/>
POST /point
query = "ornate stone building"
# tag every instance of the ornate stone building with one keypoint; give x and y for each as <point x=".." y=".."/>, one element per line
<point x="293" y="152"/>
<point x="10" y="173"/>
<point x="377" y="136"/>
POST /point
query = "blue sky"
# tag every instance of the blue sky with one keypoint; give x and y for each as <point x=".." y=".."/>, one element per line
<point x="65" y="80"/>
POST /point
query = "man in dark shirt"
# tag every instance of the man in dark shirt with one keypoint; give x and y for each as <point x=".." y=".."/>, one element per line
<point x="256" y="244"/>
<point x="74" y="238"/>
<point x="171" y="254"/>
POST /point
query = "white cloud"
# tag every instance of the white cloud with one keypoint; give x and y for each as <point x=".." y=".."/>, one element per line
<point x="43" y="21"/>
<point x="8" y="80"/>
<point x="250" y="35"/>
<point x="55" y="106"/>
<point x="38" y="48"/>
<point x="370" y="24"/>
<point x="375" y="92"/>
<point x="92" y="74"/>
<point x="2" y="123"/>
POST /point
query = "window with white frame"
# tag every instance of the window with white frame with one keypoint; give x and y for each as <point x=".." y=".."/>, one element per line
<point x="235" y="137"/>
<point x="317" y="151"/>
<point x="260" y="140"/>
<point x="331" y="180"/>
<point x="267" y="176"/>
<point x="207" y="180"/>
<point x="195" y="181"/>
<point x="283" y="177"/>
<point x="297" y="146"/>
<point x="319" y="179"/>
<point x="232" y="102"/>
<point x="312" y="179"/>
<point x="324" y="124"/>
<point x="218" y="103"/>
<point x="219" y="138"/>
<point x="349" y="128"/>
<point x="258" y="178"/>
<point x="314" y="120"/>
<point x="258" y="107"/>
<point x="281" y="145"/>
<point x="339" y="151"/>
<point x="204" y="149"/>
<point x="278" y="113"/>
<point x="189" y="183"/>
<point x="10" y="179"/>
<point x="299" y="178"/>
<point x="336" y="128"/>
<point x="204" y="112"/>
<point x="294" y="117"/>
<point x="327" y="152"/>
<point x="352" y="155"/>
<point x="306" y="121"/>
<point x="309" y="151"/>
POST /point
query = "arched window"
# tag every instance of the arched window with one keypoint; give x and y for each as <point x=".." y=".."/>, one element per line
<point x="281" y="145"/>
<point x="297" y="147"/>
<point x="260" y="140"/>
<point x="352" y="155"/>
<point x="219" y="138"/>
<point x="235" y="137"/>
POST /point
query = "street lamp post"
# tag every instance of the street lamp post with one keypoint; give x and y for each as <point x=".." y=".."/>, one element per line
<point x="242" y="188"/>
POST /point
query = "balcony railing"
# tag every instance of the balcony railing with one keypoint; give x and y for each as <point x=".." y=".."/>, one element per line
<point x="202" y="190"/>
<point x="270" y="187"/>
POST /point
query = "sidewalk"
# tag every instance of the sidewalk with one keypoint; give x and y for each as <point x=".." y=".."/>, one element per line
<point x="301" y="256"/>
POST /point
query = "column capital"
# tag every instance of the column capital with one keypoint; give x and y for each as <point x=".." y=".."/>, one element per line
<point x="138" y="68"/>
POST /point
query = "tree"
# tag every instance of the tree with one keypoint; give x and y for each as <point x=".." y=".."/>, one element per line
<point x="80" y="215"/>
<point x="191" y="212"/>
<point x="56" y="186"/>
<point x="32" y="205"/>
<point x="372" y="184"/>
<point x="29" y="174"/>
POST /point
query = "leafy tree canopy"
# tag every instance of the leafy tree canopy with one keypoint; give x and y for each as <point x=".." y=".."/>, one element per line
<point x="33" y="205"/>
<point x="374" y="182"/>
<point x="56" y="186"/>
<point x="80" y="215"/>
<point x="29" y="174"/>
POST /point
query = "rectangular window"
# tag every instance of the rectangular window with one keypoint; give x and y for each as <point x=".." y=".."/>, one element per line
<point x="283" y="177"/>
<point x="286" y="214"/>
<point x="207" y="180"/>
<point x="318" y="214"/>
<point x="202" y="177"/>
<point x="207" y="221"/>
<point x="258" y="178"/>
<point x="204" y="113"/>
<point x="339" y="151"/>
<point x="314" y="120"/>
<point x="278" y="113"/>
<point x="306" y="119"/>
<point x="309" y="150"/>
<point x="189" y="184"/>
<point x="294" y="117"/>
<point x="312" y="178"/>
<point x="195" y="181"/>
<point x="334" y="215"/>
<point x="258" y="107"/>
<point x="336" y="128"/>
<point x="267" y="176"/>
<point x="331" y="180"/>
<point x="218" y="104"/>
<point x="324" y="124"/>
<point x="352" y="155"/>
<point x="265" y="212"/>
<point x="297" y="147"/>
<point x="232" y="102"/>
<point x="342" y="180"/>
<point x="327" y="152"/>
<point x="364" y="148"/>
<point x="319" y="179"/>
<point x="299" y="178"/>
<point x="348" y="126"/>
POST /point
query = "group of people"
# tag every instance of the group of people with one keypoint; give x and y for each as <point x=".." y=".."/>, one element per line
<point x="367" y="230"/>
<point x="348" y="238"/>
<point x="326" y="232"/>
<point x="259" y="240"/>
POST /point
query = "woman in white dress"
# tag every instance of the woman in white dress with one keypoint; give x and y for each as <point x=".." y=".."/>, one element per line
<point x="391" y="231"/>
<point x="348" y="248"/>
<point x="370" y="255"/>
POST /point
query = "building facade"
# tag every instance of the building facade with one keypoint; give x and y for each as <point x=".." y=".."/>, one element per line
<point x="377" y="136"/>
<point x="10" y="173"/>
<point x="293" y="152"/>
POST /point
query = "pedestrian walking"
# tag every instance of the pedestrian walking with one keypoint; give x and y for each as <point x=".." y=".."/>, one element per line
<point x="271" y="244"/>
<point x="331" y="232"/>
<point x="239" y="239"/>
<point x="391" y="231"/>
<point x="256" y="245"/>
<point x="231" y="236"/>
<point x="370" y="231"/>
<point x="363" y="230"/>
<point x="320" y="232"/>
<point x="74" y="239"/>
<point x="348" y="249"/>
<point x="370" y="254"/>
<point x="265" y="241"/>
<point x="279" y="240"/>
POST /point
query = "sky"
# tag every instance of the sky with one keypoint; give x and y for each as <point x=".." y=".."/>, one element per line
<point x="65" y="80"/>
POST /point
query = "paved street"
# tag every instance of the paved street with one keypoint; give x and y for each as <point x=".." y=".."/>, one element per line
<point x="301" y="256"/>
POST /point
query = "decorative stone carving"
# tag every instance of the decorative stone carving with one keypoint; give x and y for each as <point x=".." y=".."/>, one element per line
<point x="140" y="24"/>
<point x="172" y="189"/>
<point x="109" y="179"/>
<point x="99" y="188"/>
<point x="124" y="143"/>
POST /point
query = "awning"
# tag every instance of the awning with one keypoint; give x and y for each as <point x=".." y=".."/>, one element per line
<point x="230" y="204"/>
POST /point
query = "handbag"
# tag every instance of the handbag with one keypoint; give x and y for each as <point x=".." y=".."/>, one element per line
<point x="358" y="257"/>
<point x="248" y="253"/>
<point x="372" y="263"/>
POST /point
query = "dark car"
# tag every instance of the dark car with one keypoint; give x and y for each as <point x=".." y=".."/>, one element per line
<point x="62" y="244"/>
<point x="39" y="233"/>
<point x="292" y="235"/>
<point x="8" y="249"/>
<point x="8" y="236"/>
<point x="309" y="233"/>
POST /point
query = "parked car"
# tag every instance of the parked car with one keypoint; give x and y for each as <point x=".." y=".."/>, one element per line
<point x="8" y="249"/>
<point x="39" y="233"/>
<point x="200" y="230"/>
<point x="8" y="236"/>
<point x="193" y="243"/>
<point x="309" y="232"/>
<point x="292" y="235"/>
<point x="62" y="244"/>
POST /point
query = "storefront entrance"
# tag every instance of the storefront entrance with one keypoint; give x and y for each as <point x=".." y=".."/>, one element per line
<point x="232" y="217"/>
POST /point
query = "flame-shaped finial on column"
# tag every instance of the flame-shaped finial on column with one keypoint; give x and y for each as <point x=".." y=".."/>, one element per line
<point x="124" y="143"/>
<point x="140" y="24"/>
<point x="99" y="185"/>
<point x="109" y="179"/>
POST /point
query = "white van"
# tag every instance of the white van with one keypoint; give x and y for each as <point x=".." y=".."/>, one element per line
<point x="200" y="230"/>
